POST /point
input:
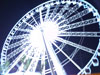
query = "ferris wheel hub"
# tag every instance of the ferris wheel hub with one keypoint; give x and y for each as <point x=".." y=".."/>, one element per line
<point x="50" y="30"/>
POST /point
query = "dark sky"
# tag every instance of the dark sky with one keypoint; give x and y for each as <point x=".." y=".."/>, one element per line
<point x="12" y="10"/>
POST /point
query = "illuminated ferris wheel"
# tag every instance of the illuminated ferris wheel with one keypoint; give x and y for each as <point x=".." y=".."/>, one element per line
<point x="54" y="38"/>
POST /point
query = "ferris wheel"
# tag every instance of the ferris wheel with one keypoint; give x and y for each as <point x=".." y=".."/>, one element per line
<point x="54" y="38"/>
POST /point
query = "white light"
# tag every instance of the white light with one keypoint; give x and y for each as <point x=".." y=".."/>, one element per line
<point x="47" y="32"/>
<point x="36" y="38"/>
<point x="50" y="30"/>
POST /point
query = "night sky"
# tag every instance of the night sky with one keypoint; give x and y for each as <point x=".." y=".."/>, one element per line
<point x="12" y="10"/>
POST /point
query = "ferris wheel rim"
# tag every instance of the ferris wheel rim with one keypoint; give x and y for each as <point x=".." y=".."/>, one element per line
<point x="36" y="8"/>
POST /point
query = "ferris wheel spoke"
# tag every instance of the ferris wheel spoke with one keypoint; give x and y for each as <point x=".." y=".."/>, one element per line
<point x="17" y="51"/>
<point x="54" y="12"/>
<point x="20" y="36"/>
<point x="78" y="24"/>
<point x="66" y="61"/>
<point x="47" y="13"/>
<point x="33" y="65"/>
<point x="41" y="19"/>
<point x="75" y="17"/>
<point x="24" y="30"/>
<point x="15" y="61"/>
<point x="80" y="34"/>
<point x="71" y="56"/>
<point x="30" y="55"/>
<point x="29" y="24"/>
<point x="60" y="13"/>
<point x="34" y="19"/>
<point x="70" y="11"/>
<point x="86" y="49"/>
<point x="43" y="62"/>
<point x="17" y="43"/>
<point x="68" y="57"/>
